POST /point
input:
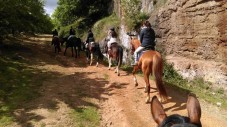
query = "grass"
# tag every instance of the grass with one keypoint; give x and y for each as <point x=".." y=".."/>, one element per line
<point x="106" y="77"/>
<point x="86" y="116"/>
<point x="101" y="27"/>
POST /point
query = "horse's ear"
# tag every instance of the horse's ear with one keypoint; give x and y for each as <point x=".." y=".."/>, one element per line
<point x="157" y="110"/>
<point x="194" y="109"/>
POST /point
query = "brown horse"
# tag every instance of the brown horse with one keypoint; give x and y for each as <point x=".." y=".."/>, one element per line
<point x="150" y="62"/>
<point x="193" y="119"/>
<point x="116" y="53"/>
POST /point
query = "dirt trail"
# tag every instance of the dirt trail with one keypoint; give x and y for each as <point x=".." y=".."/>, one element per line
<point x="119" y="102"/>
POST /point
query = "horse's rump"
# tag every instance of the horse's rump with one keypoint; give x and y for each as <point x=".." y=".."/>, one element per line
<point x="114" y="50"/>
<point x="55" y="40"/>
<point x="148" y="56"/>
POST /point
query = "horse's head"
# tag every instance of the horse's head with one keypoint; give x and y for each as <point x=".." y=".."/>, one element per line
<point x="193" y="119"/>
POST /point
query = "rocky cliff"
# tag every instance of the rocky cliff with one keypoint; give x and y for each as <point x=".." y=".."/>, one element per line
<point x="194" y="36"/>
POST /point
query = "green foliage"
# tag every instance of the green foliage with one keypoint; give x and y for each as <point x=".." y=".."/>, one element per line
<point x="68" y="11"/>
<point x="101" y="27"/>
<point x="23" y="16"/>
<point x="133" y="15"/>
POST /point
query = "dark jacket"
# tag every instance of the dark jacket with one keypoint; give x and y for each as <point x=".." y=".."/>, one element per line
<point x="55" y="33"/>
<point x="71" y="32"/>
<point x="147" y="37"/>
<point x="90" y="37"/>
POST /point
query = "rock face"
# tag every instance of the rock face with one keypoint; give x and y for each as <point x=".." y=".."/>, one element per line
<point x="195" y="31"/>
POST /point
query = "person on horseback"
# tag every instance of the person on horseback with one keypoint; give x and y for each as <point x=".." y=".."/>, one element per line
<point x="147" y="39"/>
<point x="55" y="32"/>
<point x="71" y="32"/>
<point x="112" y="38"/>
<point x="90" y="38"/>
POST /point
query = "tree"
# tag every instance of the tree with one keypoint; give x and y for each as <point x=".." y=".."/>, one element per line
<point x="23" y="15"/>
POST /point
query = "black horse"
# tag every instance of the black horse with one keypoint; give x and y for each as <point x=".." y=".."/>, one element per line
<point x="73" y="42"/>
<point x="56" y="43"/>
<point x="92" y="49"/>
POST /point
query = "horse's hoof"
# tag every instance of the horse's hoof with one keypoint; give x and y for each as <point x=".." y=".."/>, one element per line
<point x="118" y="74"/>
<point x="147" y="100"/>
<point x="136" y="84"/>
<point x="108" y="68"/>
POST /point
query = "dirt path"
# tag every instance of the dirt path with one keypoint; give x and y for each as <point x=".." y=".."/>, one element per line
<point x="120" y="103"/>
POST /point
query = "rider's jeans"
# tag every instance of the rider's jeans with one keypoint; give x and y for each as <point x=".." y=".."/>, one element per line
<point x="139" y="49"/>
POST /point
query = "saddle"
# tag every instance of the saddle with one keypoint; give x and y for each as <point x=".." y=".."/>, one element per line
<point x="143" y="51"/>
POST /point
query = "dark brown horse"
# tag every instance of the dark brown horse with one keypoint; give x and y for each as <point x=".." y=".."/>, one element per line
<point x="150" y="62"/>
<point x="73" y="42"/>
<point x="56" y="43"/>
<point x="115" y="53"/>
<point x="193" y="119"/>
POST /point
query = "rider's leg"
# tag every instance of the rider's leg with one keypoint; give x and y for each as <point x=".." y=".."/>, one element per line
<point x="134" y="58"/>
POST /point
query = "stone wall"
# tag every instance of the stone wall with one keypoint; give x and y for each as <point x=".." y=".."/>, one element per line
<point x="195" y="31"/>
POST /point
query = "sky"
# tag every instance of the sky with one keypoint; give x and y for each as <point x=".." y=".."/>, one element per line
<point x="50" y="5"/>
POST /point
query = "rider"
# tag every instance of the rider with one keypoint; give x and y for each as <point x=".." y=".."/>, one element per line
<point x="90" y="38"/>
<point x="71" y="32"/>
<point x="112" y="37"/>
<point x="147" y="39"/>
<point x="55" y="32"/>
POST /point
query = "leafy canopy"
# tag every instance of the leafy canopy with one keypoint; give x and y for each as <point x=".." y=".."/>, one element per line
<point x="23" y="15"/>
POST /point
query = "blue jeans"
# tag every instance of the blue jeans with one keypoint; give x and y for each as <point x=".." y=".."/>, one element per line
<point x="139" y="49"/>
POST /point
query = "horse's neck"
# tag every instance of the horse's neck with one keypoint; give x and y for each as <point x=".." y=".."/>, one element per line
<point x="136" y="43"/>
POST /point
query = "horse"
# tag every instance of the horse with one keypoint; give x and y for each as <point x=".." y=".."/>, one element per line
<point x="56" y="43"/>
<point x="73" y="42"/>
<point x="93" y="49"/>
<point x="115" y="53"/>
<point x="175" y="120"/>
<point x="150" y="62"/>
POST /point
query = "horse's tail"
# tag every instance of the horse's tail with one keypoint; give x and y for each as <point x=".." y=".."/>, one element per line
<point x="157" y="69"/>
<point x="120" y="56"/>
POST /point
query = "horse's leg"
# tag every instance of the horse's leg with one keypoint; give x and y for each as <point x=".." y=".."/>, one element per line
<point x="72" y="51"/>
<point x="109" y="60"/>
<point x="147" y="88"/>
<point x="75" y="48"/>
<point x="78" y="51"/>
<point x="135" y="69"/>
<point x="55" y="49"/>
<point x="65" y="50"/>
<point x="91" y="60"/>
<point x="97" y="61"/>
